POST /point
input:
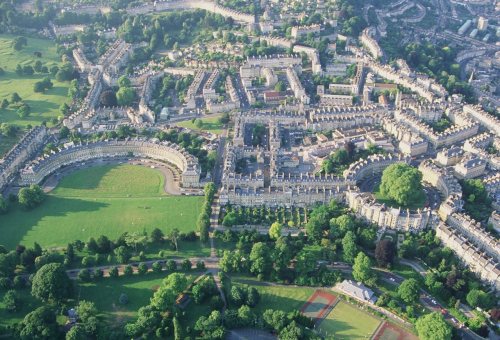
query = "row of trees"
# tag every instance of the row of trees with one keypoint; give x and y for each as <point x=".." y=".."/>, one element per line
<point x="292" y="217"/>
<point x="203" y="223"/>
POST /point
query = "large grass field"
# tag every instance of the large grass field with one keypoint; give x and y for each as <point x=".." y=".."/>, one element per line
<point x="278" y="297"/>
<point x="348" y="322"/>
<point x="44" y="106"/>
<point x="103" y="200"/>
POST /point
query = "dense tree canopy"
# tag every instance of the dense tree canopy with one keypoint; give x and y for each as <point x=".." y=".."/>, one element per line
<point x="403" y="184"/>
<point x="362" y="269"/>
<point x="51" y="283"/>
<point x="31" y="197"/>
<point x="433" y="327"/>
<point x="409" y="291"/>
<point x="39" y="324"/>
<point x="385" y="252"/>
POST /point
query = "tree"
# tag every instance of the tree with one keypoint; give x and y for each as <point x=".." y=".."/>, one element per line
<point x="15" y="98"/>
<point x="64" y="109"/>
<point x="84" y="275"/>
<point x="173" y="235"/>
<point x="23" y="110"/>
<point x="19" y="42"/>
<point x="86" y="310"/>
<point x="362" y="269"/>
<point x="128" y="270"/>
<point x="108" y="98"/>
<point x="177" y="329"/>
<point x="198" y="123"/>
<point x="5" y="103"/>
<point x="157" y="267"/>
<point x="123" y="81"/>
<point x="260" y="259"/>
<point x="164" y="298"/>
<point x="31" y="197"/>
<point x="122" y="254"/>
<point x="292" y="331"/>
<point x="280" y="86"/>
<point x="65" y="73"/>
<point x="211" y="327"/>
<point x="385" y="252"/>
<point x="125" y="96"/>
<point x="350" y="249"/>
<point x="433" y="327"/>
<point x="11" y="301"/>
<point x="39" y="324"/>
<point x="51" y="283"/>
<point x="402" y="183"/>
<point x="156" y="235"/>
<point x="76" y="333"/>
<point x="38" y="87"/>
<point x="478" y="298"/>
<point x="409" y="291"/>
<point x="186" y="265"/>
<point x="275" y="230"/>
<point x="113" y="272"/>
<point x="341" y="225"/>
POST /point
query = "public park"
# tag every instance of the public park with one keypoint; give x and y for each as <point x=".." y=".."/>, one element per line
<point x="241" y="169"/>
<point x="101" y="200"/>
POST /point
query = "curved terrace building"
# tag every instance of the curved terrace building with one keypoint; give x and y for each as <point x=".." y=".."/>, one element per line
<point x="40" y="168"/>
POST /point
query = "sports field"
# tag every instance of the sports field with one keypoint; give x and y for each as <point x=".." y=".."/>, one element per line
<point x="348" y="322"/>
<point x="44" y="106"/>
<point x="319" y="305"/>
<point x="103" y="200"/>
<point x="389" y="331"/>
<point x="278" y="297"/>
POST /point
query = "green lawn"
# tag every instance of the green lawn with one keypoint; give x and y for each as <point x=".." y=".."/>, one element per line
<point x="210" y="124"/>
<point x="278" y="297"/>
<point x="106" y="200"/>
<point x="44" y="106"/>
<point x="348" y="322"/>
<point x="139" y="289"/>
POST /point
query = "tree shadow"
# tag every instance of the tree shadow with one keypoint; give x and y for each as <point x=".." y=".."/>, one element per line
<point x="19" y="223"/>
<point x="94" y="175"/>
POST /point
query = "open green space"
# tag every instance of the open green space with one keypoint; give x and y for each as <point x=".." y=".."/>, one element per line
<point x="348" y="322"/>
<point x="122" y="180"/>
<point x="210" y="124"/>
<point x="105" y="200"/>
<point x="278" y="297"/>
<point x="138" y="288"/>
<point x="44" y="106"/>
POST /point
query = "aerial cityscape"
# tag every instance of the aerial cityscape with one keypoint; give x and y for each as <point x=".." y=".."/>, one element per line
<point x="250" y="169"/>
